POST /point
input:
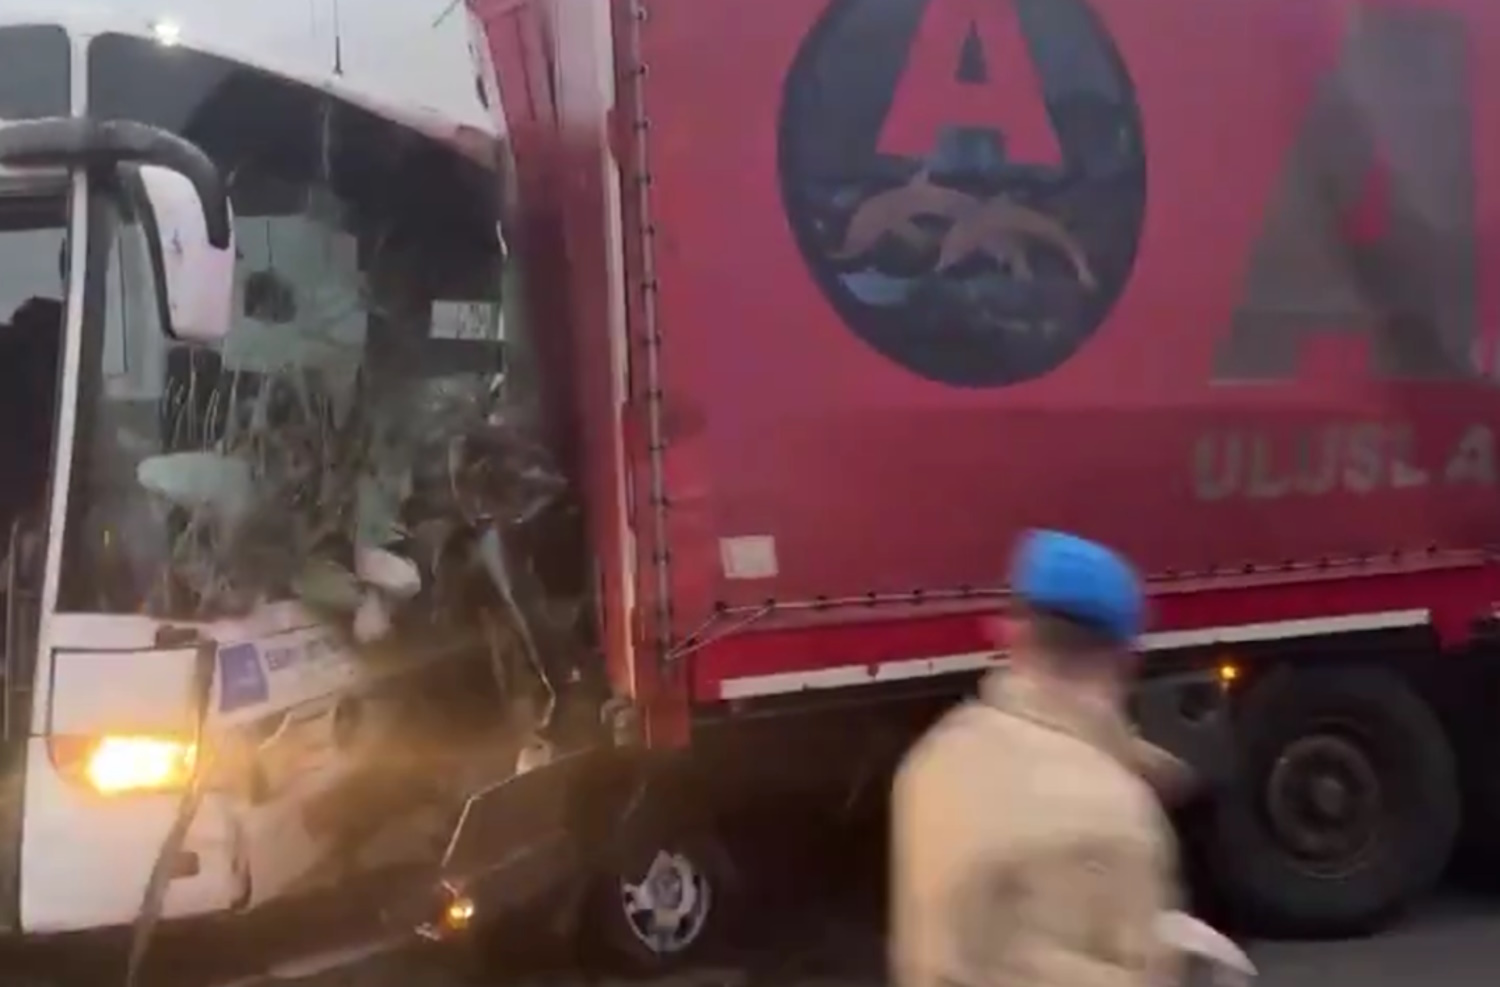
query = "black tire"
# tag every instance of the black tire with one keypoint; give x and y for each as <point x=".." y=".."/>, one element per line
<point x="617" y="942"/>
<point x="1405" y="835"/>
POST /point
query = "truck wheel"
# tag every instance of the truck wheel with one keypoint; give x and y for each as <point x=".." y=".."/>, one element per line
<point x="1345" y="808"/>
<point x="664" y="903"/>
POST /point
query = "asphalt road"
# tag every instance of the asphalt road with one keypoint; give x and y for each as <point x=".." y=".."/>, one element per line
<point x="816" y="923"/>
<point x="1454" y="942"/>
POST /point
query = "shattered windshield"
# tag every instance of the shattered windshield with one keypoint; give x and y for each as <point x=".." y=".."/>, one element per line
<point x="368" y="329"/>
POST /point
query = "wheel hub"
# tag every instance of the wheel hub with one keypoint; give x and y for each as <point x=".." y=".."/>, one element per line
<point x="1330" y="797"/>
<point x="1324" y="802"/>
<point x="668" y="908"/>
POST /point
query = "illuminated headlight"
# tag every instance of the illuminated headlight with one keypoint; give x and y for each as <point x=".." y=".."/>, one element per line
<point x="452" y="918"/>
<point x="459" y="913"/>
<point x="126" y="764"/>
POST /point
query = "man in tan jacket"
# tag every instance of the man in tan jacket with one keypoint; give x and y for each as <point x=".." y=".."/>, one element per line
<point x="1028" y="850"/>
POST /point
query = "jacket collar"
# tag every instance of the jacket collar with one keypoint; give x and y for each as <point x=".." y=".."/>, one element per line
<point x="1049" y="704"/>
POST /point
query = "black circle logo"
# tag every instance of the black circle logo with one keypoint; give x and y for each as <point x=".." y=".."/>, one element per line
<point x="966" y="179"/>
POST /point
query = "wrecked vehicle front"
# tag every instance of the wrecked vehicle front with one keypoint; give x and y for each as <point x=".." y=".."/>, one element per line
<point x="288" y="620"/>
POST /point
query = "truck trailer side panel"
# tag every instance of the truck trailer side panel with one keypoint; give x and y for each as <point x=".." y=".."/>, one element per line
<point x="905" y="278"/>
<point x="933" y="272"/>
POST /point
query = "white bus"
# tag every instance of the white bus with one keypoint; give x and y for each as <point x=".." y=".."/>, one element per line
<point x="169" y="463"/>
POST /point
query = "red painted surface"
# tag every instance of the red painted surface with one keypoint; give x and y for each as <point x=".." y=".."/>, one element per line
<point x="780" y="421"/>
<point x="1455" y="595"/>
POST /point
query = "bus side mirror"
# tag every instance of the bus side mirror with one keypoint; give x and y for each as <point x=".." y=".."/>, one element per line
<point x="178" y="192"/>
<point x="194" y="276"/>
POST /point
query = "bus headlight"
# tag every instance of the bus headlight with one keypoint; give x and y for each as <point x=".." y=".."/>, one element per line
<point x="125" y="764"/>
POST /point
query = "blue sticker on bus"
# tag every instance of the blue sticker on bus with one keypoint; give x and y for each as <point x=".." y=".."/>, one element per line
<point x="242" y="680"/>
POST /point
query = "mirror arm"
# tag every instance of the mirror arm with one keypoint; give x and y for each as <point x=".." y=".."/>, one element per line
<point x="48" y="142"/>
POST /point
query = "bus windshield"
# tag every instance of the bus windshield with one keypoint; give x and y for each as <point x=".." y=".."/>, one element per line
<point x="368" y="280"/>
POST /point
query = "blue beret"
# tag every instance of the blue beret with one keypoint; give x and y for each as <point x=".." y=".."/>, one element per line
<point x="1080" y="580"/>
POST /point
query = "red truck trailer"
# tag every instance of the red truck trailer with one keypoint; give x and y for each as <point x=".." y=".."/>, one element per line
<point x="836" y="297"/>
